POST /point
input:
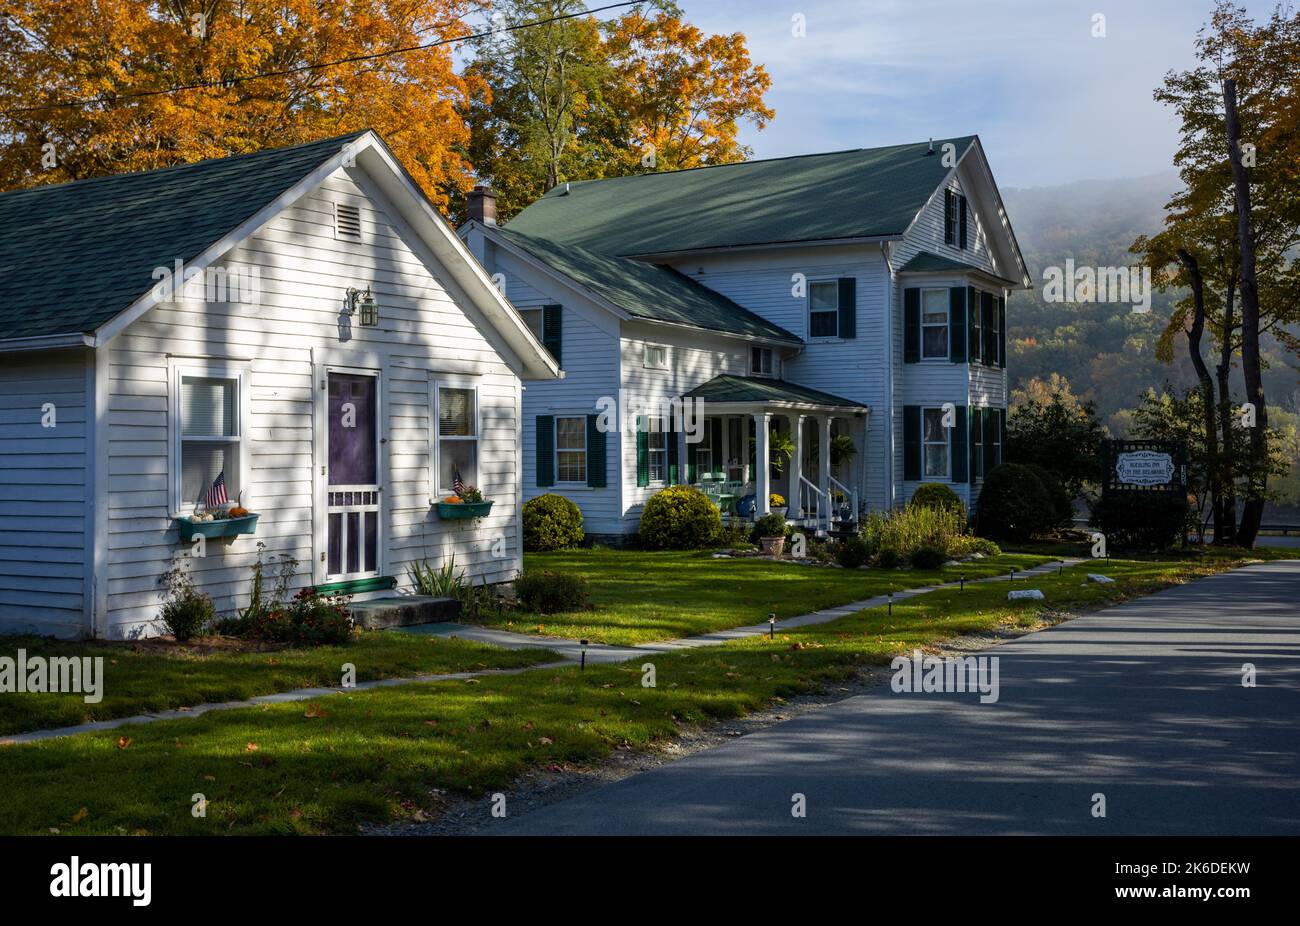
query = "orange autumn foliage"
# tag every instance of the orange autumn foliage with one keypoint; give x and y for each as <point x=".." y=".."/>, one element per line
<point x="55" y="50"/>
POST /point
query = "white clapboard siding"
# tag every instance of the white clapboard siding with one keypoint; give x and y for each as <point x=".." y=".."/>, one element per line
<point x="589" y="356"/>
<point x="43" y="500"/>
<point x="304" y="272"/>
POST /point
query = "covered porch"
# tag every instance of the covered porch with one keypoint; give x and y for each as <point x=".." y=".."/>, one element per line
<point x="813" y="443"/>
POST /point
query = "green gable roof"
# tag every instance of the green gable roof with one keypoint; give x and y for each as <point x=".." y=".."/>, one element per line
<point x="727" y="388"/>
<point x="868" y="192"/>
<point x="647" y="290"/>
<point x="74" y="255"/>
<point x="927" y="262"/>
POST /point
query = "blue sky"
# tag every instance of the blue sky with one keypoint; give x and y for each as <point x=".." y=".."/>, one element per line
<point x="1051" y="103"/>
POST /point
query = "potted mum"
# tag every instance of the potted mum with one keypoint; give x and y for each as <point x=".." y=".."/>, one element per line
<point x="776" y="504"/>
<point x="469" y="503"/>
<point x="771" y="533"/>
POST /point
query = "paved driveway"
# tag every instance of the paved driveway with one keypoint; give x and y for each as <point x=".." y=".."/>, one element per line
<point x="1142" y="703"/>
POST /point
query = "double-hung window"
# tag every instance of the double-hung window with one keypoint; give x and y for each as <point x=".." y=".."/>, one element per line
<point x="571" y="449"/>
<point x="823" y="309"/>
<point x="655" y="357"/>
<point x="760" y="361"/>
<point x="533" y="319"/>
<point x="936" y="443"/>
<point x="457" y="437"/>
<point x="209" y="437"/>
<point x="934" y="324"/>
<point x="657" y="449"/>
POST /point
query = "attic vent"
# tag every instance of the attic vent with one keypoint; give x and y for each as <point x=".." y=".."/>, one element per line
<point x="347" y="222"/>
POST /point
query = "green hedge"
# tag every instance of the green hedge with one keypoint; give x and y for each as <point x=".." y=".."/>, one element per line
<point x="551" y="522"/>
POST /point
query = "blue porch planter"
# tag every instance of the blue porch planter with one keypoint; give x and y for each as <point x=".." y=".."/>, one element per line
<point x="452" y="511"/>
<point x="228" y="527"/>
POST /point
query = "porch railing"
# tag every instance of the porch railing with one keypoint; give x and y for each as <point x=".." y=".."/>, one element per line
<point x="813" y="504"/>
<point x="850" y="495"/>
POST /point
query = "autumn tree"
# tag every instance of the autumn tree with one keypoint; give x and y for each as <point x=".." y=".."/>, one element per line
<point x="114" y="61"/>
<point x="1200" y="247"/>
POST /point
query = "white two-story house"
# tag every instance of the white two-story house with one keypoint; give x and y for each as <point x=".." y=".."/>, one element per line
<point x="787" y="304"/>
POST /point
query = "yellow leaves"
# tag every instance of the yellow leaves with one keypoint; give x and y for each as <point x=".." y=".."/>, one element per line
<point x="123" y="742"/>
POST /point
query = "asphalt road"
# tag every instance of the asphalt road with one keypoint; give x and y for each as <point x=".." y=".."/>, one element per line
<point x="1142" y="703"/>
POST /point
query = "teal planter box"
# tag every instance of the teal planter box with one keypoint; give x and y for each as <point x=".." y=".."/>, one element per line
<point x="229" y="527"/>
<point x="450" y="511"/>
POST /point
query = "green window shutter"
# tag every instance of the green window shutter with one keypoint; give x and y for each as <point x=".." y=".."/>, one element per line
<point x="1002" y="428"/>
<point x="715" y="443"/>
<point x="990" y="435"/>
<point x="1002" y="333"/>
<point x="976" y="433"/>
<point x="960" y="455"/>
<point x="595" y="453"/>
<point x="553" y="331"/>
<point x="692" y="464"/>
<point x="911" y="326"/>
<point x="912" y="442"/>
<point x="972" y="324"/>
<point x="961" y="221"/>
<point x="848" y="307"/>
<point x="947" y="216"/>
<point x="989" y="349"/>
<point x="670" y="438"/>
<point x="642" y="452"/>
<point x="545" y="450"/>
<point x="957" y="324"/>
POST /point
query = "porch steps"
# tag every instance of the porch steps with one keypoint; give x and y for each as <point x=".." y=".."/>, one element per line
<point x="403" y="611"/>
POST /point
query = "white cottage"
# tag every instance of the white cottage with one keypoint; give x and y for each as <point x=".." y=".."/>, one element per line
<point x="850" y="301"/>
<point x="297" y="329"/>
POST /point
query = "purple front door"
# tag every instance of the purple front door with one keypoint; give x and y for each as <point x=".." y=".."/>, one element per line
<point x="353" y="476"/>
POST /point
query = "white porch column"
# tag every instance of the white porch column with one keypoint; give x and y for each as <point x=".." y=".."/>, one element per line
<point x="794" y="469"/>
<point x="683" y="448"/>
<point x="762" y="464"/>
<point x="824" y="458"/>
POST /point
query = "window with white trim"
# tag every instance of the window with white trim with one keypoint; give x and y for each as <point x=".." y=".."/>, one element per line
<point x="824" y="309"/>
<point x="657" y="449"/>
<point x="935" y="437"/>
<point x="571" y="449"/>
<point x="934" y="324"/>
<point x="760" y="361"/>
<point x="209" y="433"/>
<point x="457" y="437"/>
<point x="655" y="357"/>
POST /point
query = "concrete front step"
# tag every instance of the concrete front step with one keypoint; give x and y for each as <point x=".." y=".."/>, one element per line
<point x="403" y="611"/>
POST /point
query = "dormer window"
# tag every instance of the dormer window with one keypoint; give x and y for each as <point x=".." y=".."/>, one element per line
<point x="760" y="361"/>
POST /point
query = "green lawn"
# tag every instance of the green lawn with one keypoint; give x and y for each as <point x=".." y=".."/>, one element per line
<point x="140" y="678"/>
<point x="331" y="764"/>
<point x="640" y="597"/>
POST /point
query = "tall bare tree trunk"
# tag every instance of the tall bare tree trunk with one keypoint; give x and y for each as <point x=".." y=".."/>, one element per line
<point x="1225" y="520"/>
<point x="1213" y="470"/>
<point x="1257" y="482"/>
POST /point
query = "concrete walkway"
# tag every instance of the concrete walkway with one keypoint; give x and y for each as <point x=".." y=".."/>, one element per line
<point x="569" y="651"/>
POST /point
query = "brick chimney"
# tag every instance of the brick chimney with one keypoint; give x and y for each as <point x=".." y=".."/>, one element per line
<point x="483" y="204"/>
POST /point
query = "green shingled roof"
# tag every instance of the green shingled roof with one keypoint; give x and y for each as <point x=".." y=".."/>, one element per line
<point x="74" y="255"/>
<point x="927" y="262"/>
<point x="864" y="193"/>
<point x="647" y="290"/>
<point x="727" y="388"/>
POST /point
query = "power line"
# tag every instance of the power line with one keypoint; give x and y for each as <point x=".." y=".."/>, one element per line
<point x="302" y="68"/>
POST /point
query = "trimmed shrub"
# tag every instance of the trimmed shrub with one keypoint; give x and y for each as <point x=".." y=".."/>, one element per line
<point x="679" y="518"/>
<point x="1140" y="520"/>
<point x="1013" y="505"/>
<point x="938" y="495"/>
<point x="890" y="558"/>
<point x="928" y="558"/>
<point x="853" y="553"/>
<point x="551" y="522"/>
<point x="1062" y="501"/>
<point x="551" y="592"/>
<point x="966" y="545"/>
<point x="187" y="614"/>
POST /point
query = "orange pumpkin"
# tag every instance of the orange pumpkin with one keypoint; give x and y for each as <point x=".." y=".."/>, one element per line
<point x="452" y="500"/>
<point x="239" y="511"/>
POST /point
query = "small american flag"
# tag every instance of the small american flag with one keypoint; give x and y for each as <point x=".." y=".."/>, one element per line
<point x="456" y="483"/>
<point x="217" y="493"/>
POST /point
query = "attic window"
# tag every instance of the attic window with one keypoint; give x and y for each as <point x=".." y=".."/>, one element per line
<point x="347" y="222"/>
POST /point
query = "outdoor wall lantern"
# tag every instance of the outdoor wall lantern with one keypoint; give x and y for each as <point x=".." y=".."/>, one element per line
<point x="362" y="303"/>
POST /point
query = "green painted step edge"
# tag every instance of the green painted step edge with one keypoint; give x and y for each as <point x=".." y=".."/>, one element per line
<point x="353" y="586"/>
